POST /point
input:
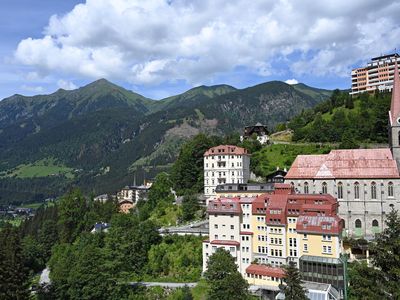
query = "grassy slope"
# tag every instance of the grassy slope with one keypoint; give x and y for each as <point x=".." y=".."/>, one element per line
<point x="41" y="168"/>
<point x="283" y="155"/>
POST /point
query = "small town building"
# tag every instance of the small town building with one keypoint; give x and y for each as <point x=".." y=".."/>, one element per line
<point x="134" y="193"/>
<point x="265" y="232"/>
<point x="258" y="131"/>
<point x="278" y="176"/>
<point x="225" y="164"/>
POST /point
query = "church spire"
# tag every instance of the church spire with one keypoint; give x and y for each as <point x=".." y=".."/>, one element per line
<point x="394" y="113"/>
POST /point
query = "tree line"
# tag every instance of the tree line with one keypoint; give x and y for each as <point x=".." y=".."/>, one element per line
<point x="342" y="119"/>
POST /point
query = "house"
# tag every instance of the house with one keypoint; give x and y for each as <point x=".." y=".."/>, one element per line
<point x="259" y="131"/>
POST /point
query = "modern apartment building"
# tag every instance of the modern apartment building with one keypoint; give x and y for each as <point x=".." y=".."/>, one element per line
<point x="265" y="232"/>
<point x="225" y="164"/>
<point x="377" y="75"/>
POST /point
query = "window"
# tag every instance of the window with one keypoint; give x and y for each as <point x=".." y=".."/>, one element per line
<point x="356" y="190"/>
<point x="326" y="237"/>
<point x="216" y="226"/>
<point x="324" y="188"/>
<point x="375" y="223"/>
<point x="305" y="187"/>
<point x="232" y="226"/>
<point x="340" y="190"/>
<point x="373" y="190"/>
<point x="390" y="189"/>
<point x="232" y="249"/>
<point x="399" y="137"/>
<point x="232" y="237"/>
<point x="358" y="223"/>
<point x="305" y="248"/>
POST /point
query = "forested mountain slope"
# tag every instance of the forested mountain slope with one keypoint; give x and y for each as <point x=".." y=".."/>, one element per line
<point x="96" y="137"/>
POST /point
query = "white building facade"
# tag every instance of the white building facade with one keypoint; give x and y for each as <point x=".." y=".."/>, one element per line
<point x="225" y="164"/>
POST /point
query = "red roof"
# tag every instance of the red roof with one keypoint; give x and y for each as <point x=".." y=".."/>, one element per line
<point x="224" y="205"/>
<point x="319" y="224"/>
<point x="394" y="112"/>
<point x="356" y="163"/>
<point x="265" y="271"/>
<point x="225" y="242"/>
<point x="226" y="150"/>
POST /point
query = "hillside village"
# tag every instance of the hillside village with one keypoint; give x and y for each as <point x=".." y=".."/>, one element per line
<point x="317" y="218"/>
<point x="304" y="216"/>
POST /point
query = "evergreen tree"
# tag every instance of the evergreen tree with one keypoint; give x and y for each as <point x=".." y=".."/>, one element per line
<point x="187" y="294"/>
<point x="348" y="141"/>
<point x="365" y="282"/>
<point x="72" y="211"/>
<point x="387" y="254"/>
<point x="13" y="273"/>
<point x="223" y="278"/>
<point x="190" y="205"/>
<point x="292" y="287"/>
<point x="187" y="171"/>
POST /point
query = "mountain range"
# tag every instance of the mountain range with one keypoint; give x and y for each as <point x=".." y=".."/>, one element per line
<point x="101" y="136"/>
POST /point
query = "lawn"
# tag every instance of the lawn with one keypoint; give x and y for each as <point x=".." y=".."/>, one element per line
<point x="40" y="168"/>
<point x="282" y="155"/>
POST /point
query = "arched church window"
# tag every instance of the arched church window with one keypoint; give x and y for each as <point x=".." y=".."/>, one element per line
<point x="305" y="187"/>
<point x="358" y="223"/>
<point x="390" y="189"/>
<point x="399" y="138"/>
<point x="356" y="190"/>
<point x="324" y="188"/>
<point x="373" y="190"/>
<point x="375" y="223"/>
<point x="340" y="190"/>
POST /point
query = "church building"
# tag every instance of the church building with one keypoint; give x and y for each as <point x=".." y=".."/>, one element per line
<point x="366" y="182"/>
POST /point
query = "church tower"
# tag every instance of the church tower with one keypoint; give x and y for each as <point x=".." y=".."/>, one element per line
<point x="394" y="117"/>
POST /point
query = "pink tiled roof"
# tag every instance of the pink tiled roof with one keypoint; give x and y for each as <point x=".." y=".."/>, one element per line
<point x="224" y="205"/>
<point x="394" y="112"/>
<point x="313" y="224"/>
<point x="225" y="242"/>
<point x="356" y="163"/>
<point x="226" y="150"/>
<point x="265" y="271"/>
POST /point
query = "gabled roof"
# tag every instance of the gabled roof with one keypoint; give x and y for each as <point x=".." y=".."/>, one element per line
<point x="226" y="150"/>
<point x="319" y="224"/>
<point x="394" y="112"/>
<point x="224" y="205"/>
<point x="355" y="163"/>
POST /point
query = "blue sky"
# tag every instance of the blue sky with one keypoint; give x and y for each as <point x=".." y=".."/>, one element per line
<point x="158" y="48"/>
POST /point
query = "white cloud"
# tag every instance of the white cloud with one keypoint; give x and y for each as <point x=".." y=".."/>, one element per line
<point x="35" y="89"/>
<point x="154" y="41"/>
<point x="66" y="85"/>
<point x="291" y="81"/>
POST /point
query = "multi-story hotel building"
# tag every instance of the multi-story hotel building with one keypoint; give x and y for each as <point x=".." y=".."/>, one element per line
<point x="225" y="164"/>
<point x="377" y="75"/>
<point x="265" y="232"/>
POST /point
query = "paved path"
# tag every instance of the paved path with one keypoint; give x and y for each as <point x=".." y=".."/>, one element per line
<point x="171" y="285"/>
<point x="44" y="276"/>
